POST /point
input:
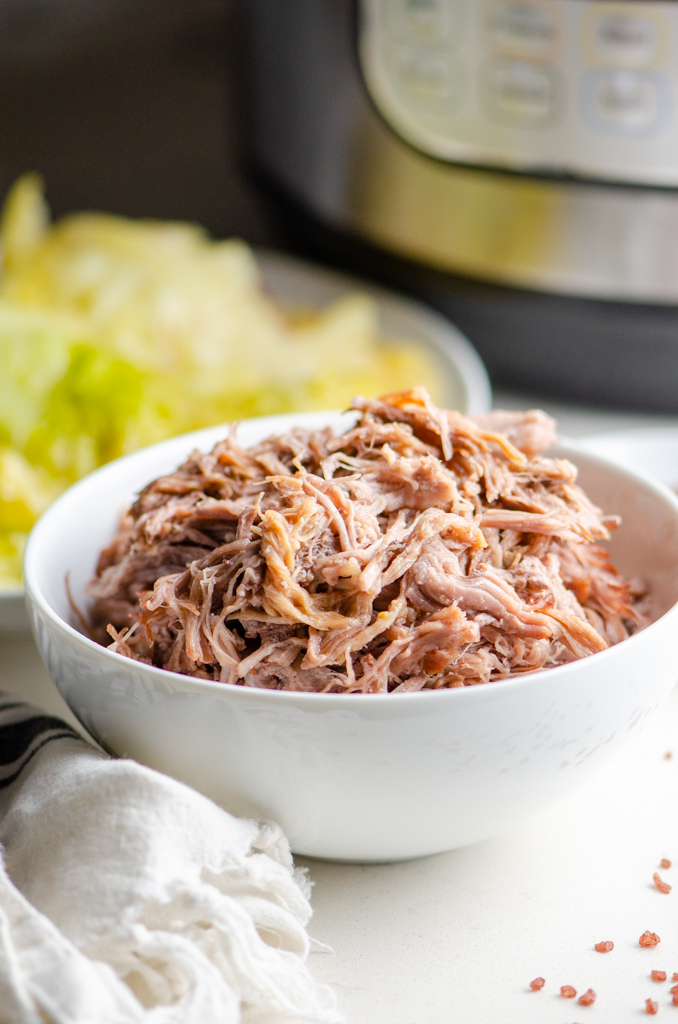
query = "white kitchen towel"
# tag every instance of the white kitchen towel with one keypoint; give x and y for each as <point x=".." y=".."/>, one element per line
<point x="128" y="898"/>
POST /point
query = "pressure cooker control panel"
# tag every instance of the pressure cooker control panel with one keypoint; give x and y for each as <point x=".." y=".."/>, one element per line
<point x="559" y="86"/>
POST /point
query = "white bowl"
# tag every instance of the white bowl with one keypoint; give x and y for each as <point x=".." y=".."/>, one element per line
<point x="359" y="777"/>
<point x="300" y="284"/>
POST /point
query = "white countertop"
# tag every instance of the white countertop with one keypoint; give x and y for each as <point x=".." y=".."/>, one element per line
<point x="458" y="937"/>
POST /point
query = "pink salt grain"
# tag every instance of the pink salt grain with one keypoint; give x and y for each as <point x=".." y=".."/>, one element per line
<point x="567" y="992"/>
<point x="649" y="939"/>
<point x="589" y="997"/>
<point x="651" y="1006"/>
<point x="661" y="885"/>
<point x="537" y="984"/>
<point x="665" y="863"/>
<point x="658" y="975"/>
<point x="604" y="947"/>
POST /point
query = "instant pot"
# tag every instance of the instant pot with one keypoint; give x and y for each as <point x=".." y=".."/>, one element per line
<point x="515" y="162"/>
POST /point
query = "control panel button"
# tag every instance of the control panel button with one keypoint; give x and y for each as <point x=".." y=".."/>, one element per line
<point x="521" y="28"/>
<point x="625" y="40"/>
<point x="426" y="17"/>
<point x="521" y="92"/>
<point x="423" y="75"/>
<point x="625" y="102"/>
<point x="425" y="21"/>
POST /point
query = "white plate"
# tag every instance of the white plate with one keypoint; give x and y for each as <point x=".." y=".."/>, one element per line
<point x="296" y="283"/>
<point x="650" y="451"/>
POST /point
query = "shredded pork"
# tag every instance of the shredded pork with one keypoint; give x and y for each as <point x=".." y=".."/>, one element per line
<point x="421" y="549"/>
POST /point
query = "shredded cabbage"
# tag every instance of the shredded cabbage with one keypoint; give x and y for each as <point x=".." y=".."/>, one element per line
<point x="116" y="333"/>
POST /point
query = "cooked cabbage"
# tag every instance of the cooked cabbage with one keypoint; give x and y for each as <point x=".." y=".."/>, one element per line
<point x="116" y="333"/>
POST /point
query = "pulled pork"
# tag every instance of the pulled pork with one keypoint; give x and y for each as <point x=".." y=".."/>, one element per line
<point x="420" y="549"/>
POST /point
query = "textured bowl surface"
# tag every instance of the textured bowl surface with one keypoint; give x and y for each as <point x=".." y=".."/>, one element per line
<point x="360" y="777"/>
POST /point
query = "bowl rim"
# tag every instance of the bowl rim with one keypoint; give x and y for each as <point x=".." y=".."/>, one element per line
<point x="569" y="449"/>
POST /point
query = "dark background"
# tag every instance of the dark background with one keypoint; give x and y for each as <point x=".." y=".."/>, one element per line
<point x="128" y="106"/>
